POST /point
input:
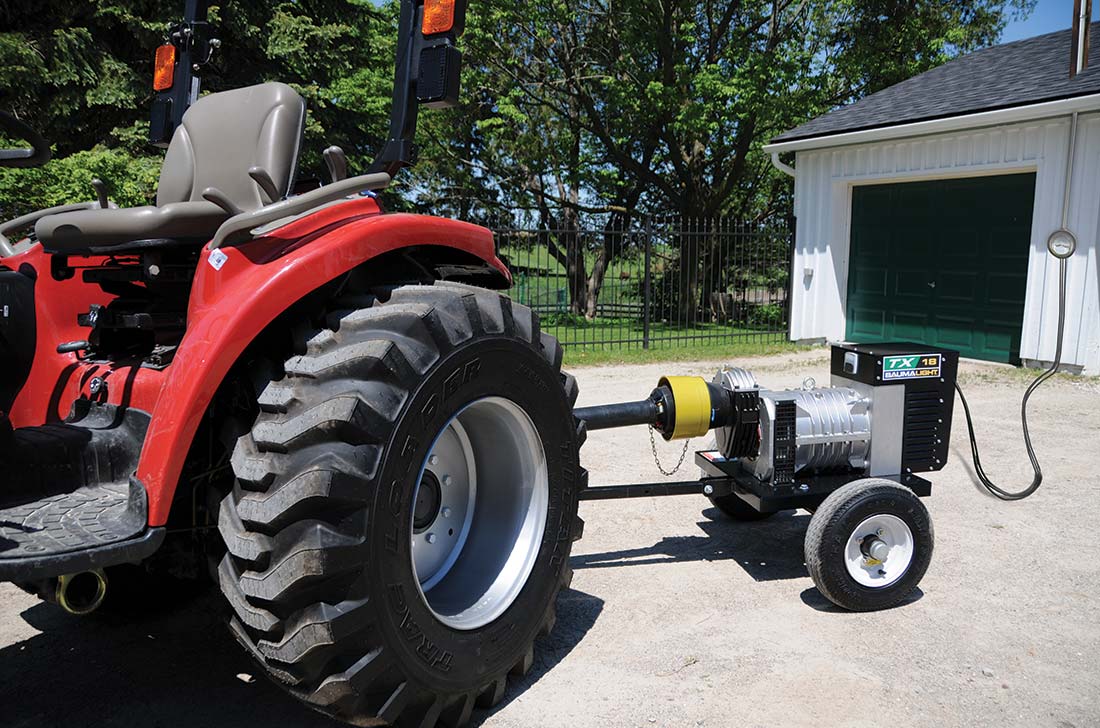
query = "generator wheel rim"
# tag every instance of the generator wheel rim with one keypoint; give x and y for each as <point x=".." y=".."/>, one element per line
<point x="898" y="539"/>
<point x="474" y="547"/>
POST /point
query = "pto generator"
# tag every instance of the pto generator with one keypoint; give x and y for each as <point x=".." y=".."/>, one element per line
<point x="849" y="453"/>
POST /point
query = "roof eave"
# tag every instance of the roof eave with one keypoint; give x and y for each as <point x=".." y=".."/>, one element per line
<point x="997" y="117"/>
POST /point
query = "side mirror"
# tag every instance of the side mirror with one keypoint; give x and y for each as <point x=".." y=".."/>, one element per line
<point x="440" y="83"/>
<point x="440" y="64"/>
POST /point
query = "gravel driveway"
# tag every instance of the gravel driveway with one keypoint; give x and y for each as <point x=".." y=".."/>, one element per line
<point x="678" y="617"/>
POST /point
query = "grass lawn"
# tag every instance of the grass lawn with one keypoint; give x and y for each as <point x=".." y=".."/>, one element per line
<point x="604" y="332"/>
<point x="662" y="351"/>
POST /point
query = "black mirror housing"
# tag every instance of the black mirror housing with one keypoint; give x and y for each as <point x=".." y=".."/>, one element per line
<point x="440" y="80"/>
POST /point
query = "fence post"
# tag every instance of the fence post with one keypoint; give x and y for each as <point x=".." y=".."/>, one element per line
<point x="647" y="296"/>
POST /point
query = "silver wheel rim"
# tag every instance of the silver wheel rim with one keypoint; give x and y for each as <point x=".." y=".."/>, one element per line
<point x="479" y="513"/>
<point x="879" y="551"/>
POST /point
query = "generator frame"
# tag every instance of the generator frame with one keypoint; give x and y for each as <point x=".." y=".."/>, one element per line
<point x="723" y="477"/>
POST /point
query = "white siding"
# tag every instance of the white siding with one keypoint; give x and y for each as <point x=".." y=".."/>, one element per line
<point x="823" y="195"/>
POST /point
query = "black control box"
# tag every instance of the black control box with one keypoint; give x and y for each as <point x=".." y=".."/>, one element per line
<point x="897" y="363"/>
<point x="926" y="375"/>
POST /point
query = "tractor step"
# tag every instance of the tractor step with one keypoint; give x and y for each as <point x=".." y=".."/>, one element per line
<point x="67" y="499"/>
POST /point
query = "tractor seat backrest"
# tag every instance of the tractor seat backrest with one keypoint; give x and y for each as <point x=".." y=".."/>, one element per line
<point x="223" y="135"/>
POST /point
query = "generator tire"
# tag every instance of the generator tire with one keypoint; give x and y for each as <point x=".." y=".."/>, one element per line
<point x="848" y="523"/>
<point x="320" y="529"/>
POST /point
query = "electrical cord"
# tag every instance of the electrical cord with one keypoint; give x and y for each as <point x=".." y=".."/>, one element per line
<point x="1038" y="480"/>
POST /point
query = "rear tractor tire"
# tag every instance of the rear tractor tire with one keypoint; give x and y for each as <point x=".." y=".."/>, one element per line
<point x="405" y="507"/>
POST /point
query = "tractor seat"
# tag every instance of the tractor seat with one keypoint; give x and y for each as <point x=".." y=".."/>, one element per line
<point x="222" y="137"/>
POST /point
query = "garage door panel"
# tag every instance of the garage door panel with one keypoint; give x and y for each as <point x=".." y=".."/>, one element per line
<point x="968" y="237"/>
<point x="959" y="199"/>
<point x="1003" y="239"/>
<point x="917" y="204"/>
<point x="909" y="327"/>
<point x="1005" y="288"/>
<point x="867" y="323"/>
<point x="874" y="205"/>
<point x="1002" y="337"/>
<point x="870" y="281"/>
<point x="907" y="243"/>
<point x="957" y="253"/>
<point x="910" y="284"/>
<point x="955" y="332"/>
<point x="957" y="286"/>
<point x="961" y="239"/>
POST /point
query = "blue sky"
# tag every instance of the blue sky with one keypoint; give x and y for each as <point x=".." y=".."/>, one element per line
<point x="1048" y="16"/>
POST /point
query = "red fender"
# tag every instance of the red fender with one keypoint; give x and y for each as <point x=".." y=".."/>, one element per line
<point x="236" y="297"/>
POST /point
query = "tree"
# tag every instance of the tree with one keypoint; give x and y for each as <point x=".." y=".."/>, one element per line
<point x="666" y="103"/>
<point x="573" y="110"/>
<point x="81" y="73"/>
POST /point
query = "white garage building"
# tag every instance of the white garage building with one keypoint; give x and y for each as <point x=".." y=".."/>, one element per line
<point x="923" y="211"/>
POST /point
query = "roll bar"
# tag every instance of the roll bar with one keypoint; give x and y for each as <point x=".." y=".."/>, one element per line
<point x="427" y="71"/>
<point x="38" y="153"/>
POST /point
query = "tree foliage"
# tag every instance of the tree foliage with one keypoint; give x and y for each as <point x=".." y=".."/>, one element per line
<point x="662" y="106"/>
<point x="82" y="72"/>
<point x="570" y="107"/>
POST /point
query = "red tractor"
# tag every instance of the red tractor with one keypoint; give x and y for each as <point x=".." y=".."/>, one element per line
<point x="376" y="454"/>
<point x="378" y="460"/>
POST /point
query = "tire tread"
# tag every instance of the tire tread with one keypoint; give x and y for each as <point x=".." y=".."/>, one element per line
<point x="292" y="524"/>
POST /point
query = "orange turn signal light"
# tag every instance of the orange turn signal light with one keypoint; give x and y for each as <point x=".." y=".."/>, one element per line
<point x="164" y="68"/>
<point x="439" y="16"/>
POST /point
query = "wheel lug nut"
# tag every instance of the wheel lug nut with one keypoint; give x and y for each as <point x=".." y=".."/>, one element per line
<point x="431" y="538"/>
<point x="433" y="460"/>
<point x="446" y="512"/>
<point x="446" y="480"/>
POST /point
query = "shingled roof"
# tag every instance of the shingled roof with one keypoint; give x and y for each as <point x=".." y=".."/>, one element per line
<point x="1014" y="74"/>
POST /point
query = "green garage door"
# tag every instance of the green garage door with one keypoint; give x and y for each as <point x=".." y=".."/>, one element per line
<point x="942" y="263"/>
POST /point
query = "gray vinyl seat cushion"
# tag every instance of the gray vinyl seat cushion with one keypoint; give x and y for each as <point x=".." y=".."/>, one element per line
<point x="222" y="136"/>
<point x="93" y="230"/>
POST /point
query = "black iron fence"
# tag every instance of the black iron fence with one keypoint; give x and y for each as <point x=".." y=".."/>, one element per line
<point x="657" y="282"/>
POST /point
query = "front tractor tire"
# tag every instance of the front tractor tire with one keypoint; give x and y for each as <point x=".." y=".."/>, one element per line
<point x="405" y="507"/>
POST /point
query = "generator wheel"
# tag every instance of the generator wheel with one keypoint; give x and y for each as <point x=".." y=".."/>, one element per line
<point x="405" y="507"/>
<point x="869" y="545"/>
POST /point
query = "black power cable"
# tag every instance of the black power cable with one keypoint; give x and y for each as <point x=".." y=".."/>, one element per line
<point x="1038" y="480"/>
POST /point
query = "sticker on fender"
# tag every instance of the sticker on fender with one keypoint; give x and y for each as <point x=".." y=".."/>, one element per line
<point x="914" y="366"/>
<point x="217" y="259"/>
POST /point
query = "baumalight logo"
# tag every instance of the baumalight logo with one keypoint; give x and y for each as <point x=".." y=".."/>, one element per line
<point x="914" y="366"/>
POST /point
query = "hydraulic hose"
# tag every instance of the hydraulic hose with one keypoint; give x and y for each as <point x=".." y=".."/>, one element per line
<point x="1038" y="480"/>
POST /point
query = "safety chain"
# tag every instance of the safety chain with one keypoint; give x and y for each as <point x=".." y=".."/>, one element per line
<point x="657" y="460"/>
